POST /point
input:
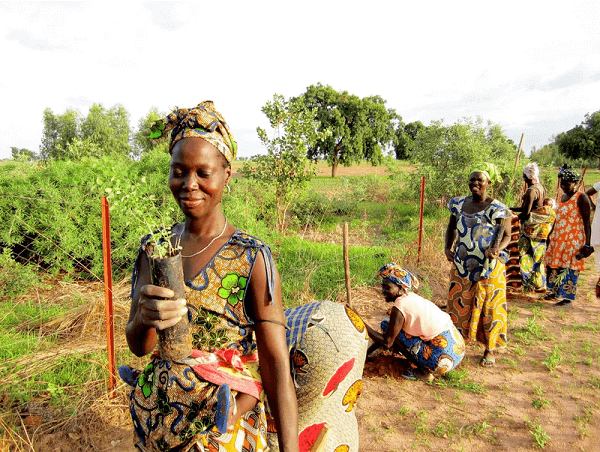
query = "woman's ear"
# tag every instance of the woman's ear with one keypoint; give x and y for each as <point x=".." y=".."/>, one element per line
<point x="229" y="173"/>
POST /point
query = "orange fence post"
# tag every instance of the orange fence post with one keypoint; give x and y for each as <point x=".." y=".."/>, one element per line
<point x="110" y="330"/>
<point x="421" y="218"/>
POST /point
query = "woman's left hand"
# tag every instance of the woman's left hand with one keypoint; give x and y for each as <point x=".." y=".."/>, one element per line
<point x="492" y="253"/>
<point x="584" y="252"/>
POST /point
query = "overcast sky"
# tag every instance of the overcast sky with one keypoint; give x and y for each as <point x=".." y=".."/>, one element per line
<point x="531" y="66"/>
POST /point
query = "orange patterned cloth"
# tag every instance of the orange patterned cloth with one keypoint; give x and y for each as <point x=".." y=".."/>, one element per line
<point x="478" y="308"/>
<point x="568" y="236"/>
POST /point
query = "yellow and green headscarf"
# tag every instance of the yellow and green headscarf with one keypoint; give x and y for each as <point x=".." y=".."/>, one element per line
<point x="489" y="170"/>
<point x="399" y="276"/>
<point x="203" y="121"/>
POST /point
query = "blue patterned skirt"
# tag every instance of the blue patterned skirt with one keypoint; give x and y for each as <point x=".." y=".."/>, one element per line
<point x="439" y="355"/>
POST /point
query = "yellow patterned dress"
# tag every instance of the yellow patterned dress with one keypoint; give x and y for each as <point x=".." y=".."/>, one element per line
<point x="477" y="295"/>
<point x="171" y="402"/>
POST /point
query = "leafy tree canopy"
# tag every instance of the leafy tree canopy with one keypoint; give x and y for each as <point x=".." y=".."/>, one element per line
<point x="142" y="143"/>
<point x="405" y="136"/>
<point x="23" y="154"/>
<point x="582" y="141"/>
<point x="360" y="128"/>
<point x="285" y="169"/>
<point x="446" y="154"/>
<point x="103" y="132"/>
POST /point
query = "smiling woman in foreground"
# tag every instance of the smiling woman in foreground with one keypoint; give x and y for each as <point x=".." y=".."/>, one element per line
<point x="477" y="296"/>
<point x="214" y="400"/>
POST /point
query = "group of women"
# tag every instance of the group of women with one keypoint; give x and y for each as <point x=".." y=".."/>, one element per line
<point x="556" y="241"/>
<point x="219" y="398"/>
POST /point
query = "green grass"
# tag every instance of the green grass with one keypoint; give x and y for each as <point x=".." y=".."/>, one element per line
<point x="321" y="265"/>
<point x="554" y="359"/>
<point x="458" y="379"/>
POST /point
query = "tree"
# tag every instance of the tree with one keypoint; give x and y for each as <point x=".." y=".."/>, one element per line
<point x="108" y="130"/>
<point x="405" y="137"/>
<point x="142" y="143"/>
<point x="59" y="131"/>
<point x="360" y="128"/>
<point x="445" y="154"/>
<point x="285" y="169"/>
<point x="582" y="141"/>
<point x="101" y="132"/>
<point x="548" y="156"/>
<point x="23" y="154"/>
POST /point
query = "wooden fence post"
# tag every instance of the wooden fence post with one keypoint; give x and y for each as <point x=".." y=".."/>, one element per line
<point x="347" y="265"/>
<point x="110" y="331"/>
<point x="421" y="219"/>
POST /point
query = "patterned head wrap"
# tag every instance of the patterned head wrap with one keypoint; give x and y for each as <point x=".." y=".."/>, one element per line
<point x="532" y="171"/>
<point x="489" y="170"/>
<point x="568" y="173"/>
<point x="399" y="275"/>
<point x="203" y="121"/>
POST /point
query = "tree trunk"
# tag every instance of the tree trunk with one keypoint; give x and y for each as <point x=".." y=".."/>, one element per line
<point x="334" y="165"/>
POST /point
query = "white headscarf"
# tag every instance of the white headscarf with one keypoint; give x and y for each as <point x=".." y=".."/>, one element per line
<point x="532" y="171"/>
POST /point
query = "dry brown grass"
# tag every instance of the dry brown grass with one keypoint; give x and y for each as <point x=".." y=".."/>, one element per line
<point x="80" y="330"/>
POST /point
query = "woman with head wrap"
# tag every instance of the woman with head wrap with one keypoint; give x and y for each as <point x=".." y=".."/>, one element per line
<point x="569" y="239"/>
<point x="536" y="222"/>
<point x="417" y="328"/>
<point x="475" y="244"/>
<point x="233" y="304"/>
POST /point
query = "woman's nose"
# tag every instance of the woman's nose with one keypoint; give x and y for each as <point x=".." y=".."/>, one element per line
<point x="190" y="182"/>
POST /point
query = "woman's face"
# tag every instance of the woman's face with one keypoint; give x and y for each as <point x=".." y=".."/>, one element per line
<point x="198" y="174"/>
<point x="567" y="186"/>
<point x="390" y="290"/>
<point x="478" y="183"/>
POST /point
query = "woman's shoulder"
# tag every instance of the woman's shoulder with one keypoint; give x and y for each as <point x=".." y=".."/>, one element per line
<point x="412" y="299"/>
<point x="246" y="240"/>
<point x="455" y="204"/>
<point x="499" y="208"/>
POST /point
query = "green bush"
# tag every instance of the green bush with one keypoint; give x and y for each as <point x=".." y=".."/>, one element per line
<point x="15" y="278"/>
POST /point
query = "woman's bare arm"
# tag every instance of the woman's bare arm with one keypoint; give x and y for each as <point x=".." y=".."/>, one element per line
<point x="274" y="358"/>
<point x="387" y="339"/>
<point x="450" y="237"/>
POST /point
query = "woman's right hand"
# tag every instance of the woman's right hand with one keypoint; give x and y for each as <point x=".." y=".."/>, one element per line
<point x="449" y="254"/>
<point x="157" y="310"/>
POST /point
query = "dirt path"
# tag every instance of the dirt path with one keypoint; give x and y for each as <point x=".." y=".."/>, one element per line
<point x="518" y="405"/>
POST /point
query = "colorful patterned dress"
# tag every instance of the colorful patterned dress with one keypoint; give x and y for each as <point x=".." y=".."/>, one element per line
<point x="532" y="247"/>
<point x="566" y="240"/>
<point x="477" y="295"/>
<point x="171" y="403"/>
<point x="441" y="352"/>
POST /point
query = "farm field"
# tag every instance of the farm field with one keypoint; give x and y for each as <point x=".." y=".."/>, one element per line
<point x="542" y="394"/>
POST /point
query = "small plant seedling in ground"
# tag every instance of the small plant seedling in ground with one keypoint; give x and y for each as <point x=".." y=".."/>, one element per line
<point x="540" y="437"/>
<point x="539" y="403"/>
<point x="554" y="360"/>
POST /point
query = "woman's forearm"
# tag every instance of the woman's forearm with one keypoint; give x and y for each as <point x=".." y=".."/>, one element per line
<point x="278" y="385"/>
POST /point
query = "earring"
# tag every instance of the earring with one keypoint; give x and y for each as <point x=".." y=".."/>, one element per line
<point x="228" y="188"/>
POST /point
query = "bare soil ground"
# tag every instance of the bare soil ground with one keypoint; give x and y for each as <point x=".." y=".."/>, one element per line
<point x="519" y="397"/>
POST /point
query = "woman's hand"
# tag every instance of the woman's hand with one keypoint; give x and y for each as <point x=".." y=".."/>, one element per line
<point x="584" y="252"/>
<point x="492" y="253"/>
<point x="157" y="310"/>
<point x="449" y="254"/>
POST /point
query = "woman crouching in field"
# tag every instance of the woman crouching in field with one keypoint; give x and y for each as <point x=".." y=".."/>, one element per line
<point x="417" y="328"/>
